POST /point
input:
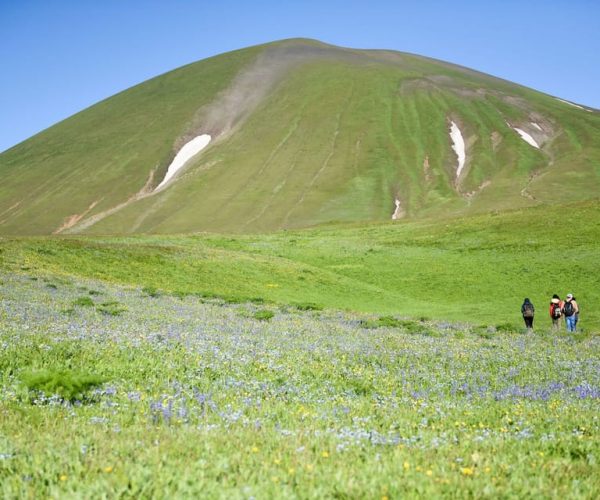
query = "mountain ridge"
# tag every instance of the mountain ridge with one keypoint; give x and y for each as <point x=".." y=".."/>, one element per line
<point x="301" y="133"/>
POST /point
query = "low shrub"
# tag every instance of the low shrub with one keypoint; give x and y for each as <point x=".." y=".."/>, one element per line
<point x="111" y="308"/>
<point x="308" y="306"/>
<point x="151" y="291"/>
<point x="83" y="301"/>
<point x="263" y="315"/>
<point x="69" y="386"/>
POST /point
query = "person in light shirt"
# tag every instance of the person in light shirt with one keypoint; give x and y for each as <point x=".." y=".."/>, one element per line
<point x="571" y="313"/>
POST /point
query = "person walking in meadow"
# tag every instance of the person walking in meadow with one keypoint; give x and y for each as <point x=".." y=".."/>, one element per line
<point x="571" y="312"/>
<point x="528" y="311"/>
<point x="556" y="306"/>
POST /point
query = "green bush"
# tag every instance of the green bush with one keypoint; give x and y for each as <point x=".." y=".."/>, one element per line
<point x="83" y="301"/>
<point x="308" y="306"/>
<point x="506" y="327"/>
<point x="151" y="291"/>
<point x="69" y="386"/>
<point x="263" y="315"/>
<point x="389" y="321"/>
<point x="111" y="308"/>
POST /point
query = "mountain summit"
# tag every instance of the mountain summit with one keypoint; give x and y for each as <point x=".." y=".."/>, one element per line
<point x="296" y="133"/>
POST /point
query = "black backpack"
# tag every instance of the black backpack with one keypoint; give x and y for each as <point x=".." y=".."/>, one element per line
<point x="528" y="310"/>
<point x="568" y="308"/>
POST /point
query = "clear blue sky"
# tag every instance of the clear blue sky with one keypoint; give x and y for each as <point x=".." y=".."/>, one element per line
<point x="58" y="57"/>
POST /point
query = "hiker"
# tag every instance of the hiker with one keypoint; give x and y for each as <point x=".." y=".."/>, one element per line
<point x="571" y="312"/>
<point x="527" y="310"/>
<point x="556" y="306"/>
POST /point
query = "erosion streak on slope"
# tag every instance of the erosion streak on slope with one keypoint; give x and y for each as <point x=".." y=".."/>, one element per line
<point x="142" y="193"/>
<point x="11" y="208"/>
<point x="274" y="192"/>
<point x="255" y="83"/>
<point x="75" y="218"/>
<point x="319" y="172"/>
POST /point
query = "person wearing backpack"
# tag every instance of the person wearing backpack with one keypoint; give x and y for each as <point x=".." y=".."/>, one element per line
<point x="528" y="311"/>
<point x="556" y="307"/>
<point x="571" y="313"/>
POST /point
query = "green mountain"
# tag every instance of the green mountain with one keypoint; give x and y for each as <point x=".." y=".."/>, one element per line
<point x="301" y="133"/>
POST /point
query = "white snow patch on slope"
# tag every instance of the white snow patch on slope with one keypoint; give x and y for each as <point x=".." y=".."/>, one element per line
<point x="571" y="103"/>
<point x="398" y="210"/>
<point x="537" y="126"/>
<point x="527" y="138"/>
<point x="458" y="145"/>
<point x="186" y="153"/>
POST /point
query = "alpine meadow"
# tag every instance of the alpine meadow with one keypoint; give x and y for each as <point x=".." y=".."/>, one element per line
<point x="296" y="270"/>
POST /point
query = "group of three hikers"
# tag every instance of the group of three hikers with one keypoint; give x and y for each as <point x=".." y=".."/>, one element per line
<point x="568" y="308"/>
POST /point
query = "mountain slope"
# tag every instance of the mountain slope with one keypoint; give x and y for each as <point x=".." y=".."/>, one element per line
<point x="302" y="133"/>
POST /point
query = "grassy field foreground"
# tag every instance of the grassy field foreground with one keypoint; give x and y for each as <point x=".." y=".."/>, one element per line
<point x="184" y="396"/>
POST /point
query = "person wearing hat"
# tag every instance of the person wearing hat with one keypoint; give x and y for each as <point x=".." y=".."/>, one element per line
<point x="571" y="312"/>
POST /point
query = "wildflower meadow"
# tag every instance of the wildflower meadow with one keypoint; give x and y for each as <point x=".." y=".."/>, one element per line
<point x="129" y="392"/>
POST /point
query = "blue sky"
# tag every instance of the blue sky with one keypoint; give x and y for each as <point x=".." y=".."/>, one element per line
<point x="59" y="57"/>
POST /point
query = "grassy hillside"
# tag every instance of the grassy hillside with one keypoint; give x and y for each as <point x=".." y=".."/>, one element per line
<point x="476" y="269"/>
<point x="304" y="133"/>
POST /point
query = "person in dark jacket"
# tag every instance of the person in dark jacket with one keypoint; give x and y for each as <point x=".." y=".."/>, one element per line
<point x="528" y="311"/>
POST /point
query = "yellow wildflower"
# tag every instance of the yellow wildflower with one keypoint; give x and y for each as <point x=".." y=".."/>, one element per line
<point x="108" y="469"/>
<point x="467" y="471"/>
<point x="63" y="477"/>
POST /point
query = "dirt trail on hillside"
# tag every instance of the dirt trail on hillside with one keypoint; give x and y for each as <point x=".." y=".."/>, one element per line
<point x="232" y="106"/>
<point x="78" y="226"/>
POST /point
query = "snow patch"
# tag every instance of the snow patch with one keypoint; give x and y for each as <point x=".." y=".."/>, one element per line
<point x="571" y="104"/>
<point x="458" y="145"/>
<point x="526" y="137"/>
<point x="186" y="153"/>
<point x="537" y="126"/>
<point x="398" y="212"/>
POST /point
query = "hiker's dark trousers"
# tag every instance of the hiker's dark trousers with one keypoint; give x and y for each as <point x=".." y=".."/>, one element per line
<point x="528" y="322"/>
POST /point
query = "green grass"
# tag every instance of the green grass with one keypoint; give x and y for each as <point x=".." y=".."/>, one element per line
<point x="476" y="269"/>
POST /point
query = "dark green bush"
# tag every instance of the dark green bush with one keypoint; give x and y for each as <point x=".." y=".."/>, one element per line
<point x="506" y="327"/>
<point x="308" y="306"/>
<point x="151" y="291"/>
<point x="83" y="301"/>
<point x="111" y="308"/>
<point x="70" y="386"/>
<point x="263" y="315"/>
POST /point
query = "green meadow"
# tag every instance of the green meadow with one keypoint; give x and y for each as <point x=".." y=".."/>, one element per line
<point x="475" y="269"/>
